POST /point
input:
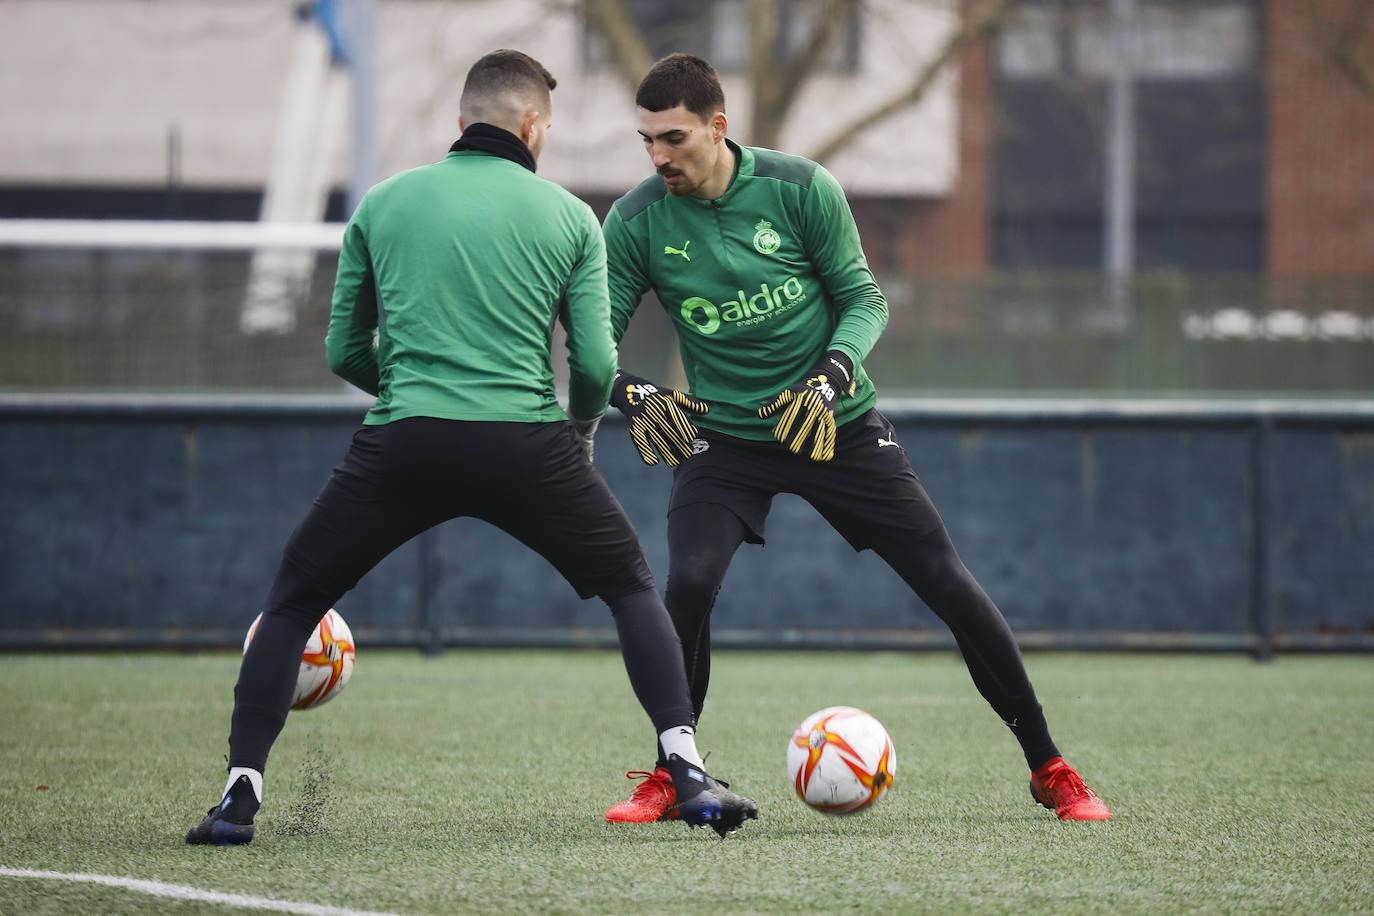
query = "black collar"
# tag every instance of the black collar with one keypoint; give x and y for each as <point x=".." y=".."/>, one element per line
<point x="488" y="138"/>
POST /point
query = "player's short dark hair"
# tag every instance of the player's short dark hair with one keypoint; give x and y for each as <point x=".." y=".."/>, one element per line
<point x="508" y="71"/>
<point x="682" y="79"/>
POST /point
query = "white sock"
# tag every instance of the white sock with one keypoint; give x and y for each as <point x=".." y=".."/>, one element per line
<point x="682" y="740"/>
<point x="254" y="776"/>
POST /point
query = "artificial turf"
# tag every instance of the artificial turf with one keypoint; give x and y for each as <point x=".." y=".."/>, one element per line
<point x="476" y="781"/>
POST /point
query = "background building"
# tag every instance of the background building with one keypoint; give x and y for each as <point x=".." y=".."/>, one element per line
<point x="1091" y="196"/>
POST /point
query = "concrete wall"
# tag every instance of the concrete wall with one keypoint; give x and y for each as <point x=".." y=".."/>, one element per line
<point x="1221" y="525"/>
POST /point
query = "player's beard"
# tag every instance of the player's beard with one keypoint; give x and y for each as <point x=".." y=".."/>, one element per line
<point x="678" y="188"/>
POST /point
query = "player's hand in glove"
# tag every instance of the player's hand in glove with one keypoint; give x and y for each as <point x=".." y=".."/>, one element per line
<point x="806" y="411"/>
<point x="658" y="418"/>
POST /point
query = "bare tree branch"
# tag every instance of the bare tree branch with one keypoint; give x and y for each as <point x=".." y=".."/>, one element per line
<point x="629" y="50"/>
<point x="762" y="24"/>
<point x="830" y="17"/>
<point x="1338" y="43"/>
<point x="974" y="26"/>
<point x="775" y="85"/>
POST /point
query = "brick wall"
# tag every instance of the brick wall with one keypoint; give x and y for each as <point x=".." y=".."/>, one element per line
<point x="941" y="233"/>
<point x="1320" y="196"/>
<point x="1321" y="146"/>
<point x="952" y="233"/>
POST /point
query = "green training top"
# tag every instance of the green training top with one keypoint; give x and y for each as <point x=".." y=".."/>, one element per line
<point x="759" y="283"/>
<point x="459" y="269"/>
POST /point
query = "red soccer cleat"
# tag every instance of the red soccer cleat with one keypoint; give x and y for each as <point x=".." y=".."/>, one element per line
<point x="654" y="800"/>
<point x="1057" y="786"/>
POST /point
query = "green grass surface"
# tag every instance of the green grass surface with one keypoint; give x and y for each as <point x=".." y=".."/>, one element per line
<point x="476" y="781"/>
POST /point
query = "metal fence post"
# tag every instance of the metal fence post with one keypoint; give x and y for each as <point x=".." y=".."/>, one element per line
<point x="1261" y="537"/>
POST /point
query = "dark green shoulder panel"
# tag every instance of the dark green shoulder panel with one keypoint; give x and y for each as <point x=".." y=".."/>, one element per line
<point x="647" y="193"/>
<point x="770" y="163"/>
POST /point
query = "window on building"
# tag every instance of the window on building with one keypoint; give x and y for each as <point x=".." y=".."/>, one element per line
<point x="1198" y="153"/>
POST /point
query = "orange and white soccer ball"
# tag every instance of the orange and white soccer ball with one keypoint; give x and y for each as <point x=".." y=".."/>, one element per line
<point x="841" y="760"/>
<point x="326" y="663"/>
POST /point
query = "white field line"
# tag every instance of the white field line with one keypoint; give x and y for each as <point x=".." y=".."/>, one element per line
<point x="183" y="892"/>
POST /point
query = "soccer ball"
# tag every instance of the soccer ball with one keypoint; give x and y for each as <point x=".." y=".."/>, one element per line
<point x="326" y="663"/>
<point x="840" y="760"/>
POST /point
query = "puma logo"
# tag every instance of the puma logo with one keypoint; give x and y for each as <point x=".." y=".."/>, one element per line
<point x="882" y="441"/>
<point x="669" y="249"/>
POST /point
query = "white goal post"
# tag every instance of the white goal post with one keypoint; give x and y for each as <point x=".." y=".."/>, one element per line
<point x="169" y="234"/>
<point x="282" y="253"/>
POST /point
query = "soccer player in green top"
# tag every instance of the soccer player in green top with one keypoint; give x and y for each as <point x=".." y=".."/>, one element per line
<point x="756" y="258"/>
<point x="459" y="270"/>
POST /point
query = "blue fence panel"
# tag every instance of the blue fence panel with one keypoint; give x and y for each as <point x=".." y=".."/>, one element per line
<point x="1215" y="525"/>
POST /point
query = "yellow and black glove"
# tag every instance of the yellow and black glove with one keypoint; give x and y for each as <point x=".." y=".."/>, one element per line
<point x="807" y="409"/>
<point x="658" y="418"/>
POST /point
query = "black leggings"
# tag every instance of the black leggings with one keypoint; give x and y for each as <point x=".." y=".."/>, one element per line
<point x="703" y="537"/>
<point x="532" y="480"/>
<point x="267" y="675"/>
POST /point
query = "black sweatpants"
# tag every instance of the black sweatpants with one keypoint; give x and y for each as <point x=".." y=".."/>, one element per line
<point x="869" y="493"/>
<point x="531" y="480"/>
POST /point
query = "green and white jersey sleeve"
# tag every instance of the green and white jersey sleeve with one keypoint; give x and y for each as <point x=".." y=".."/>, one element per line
<point x="459" y="270"/>
<point x="759" y="283"/>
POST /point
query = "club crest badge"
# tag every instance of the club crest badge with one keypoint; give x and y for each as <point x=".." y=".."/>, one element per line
<point x="766" y="240"/>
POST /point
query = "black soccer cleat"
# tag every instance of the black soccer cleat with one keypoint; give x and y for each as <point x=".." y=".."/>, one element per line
<point x="706" y="802"/>
<point x="230" y="823"/>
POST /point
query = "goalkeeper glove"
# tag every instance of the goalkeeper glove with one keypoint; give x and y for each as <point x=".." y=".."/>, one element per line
<point x="658" y="424"/>
<point x="807" y="409"/>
